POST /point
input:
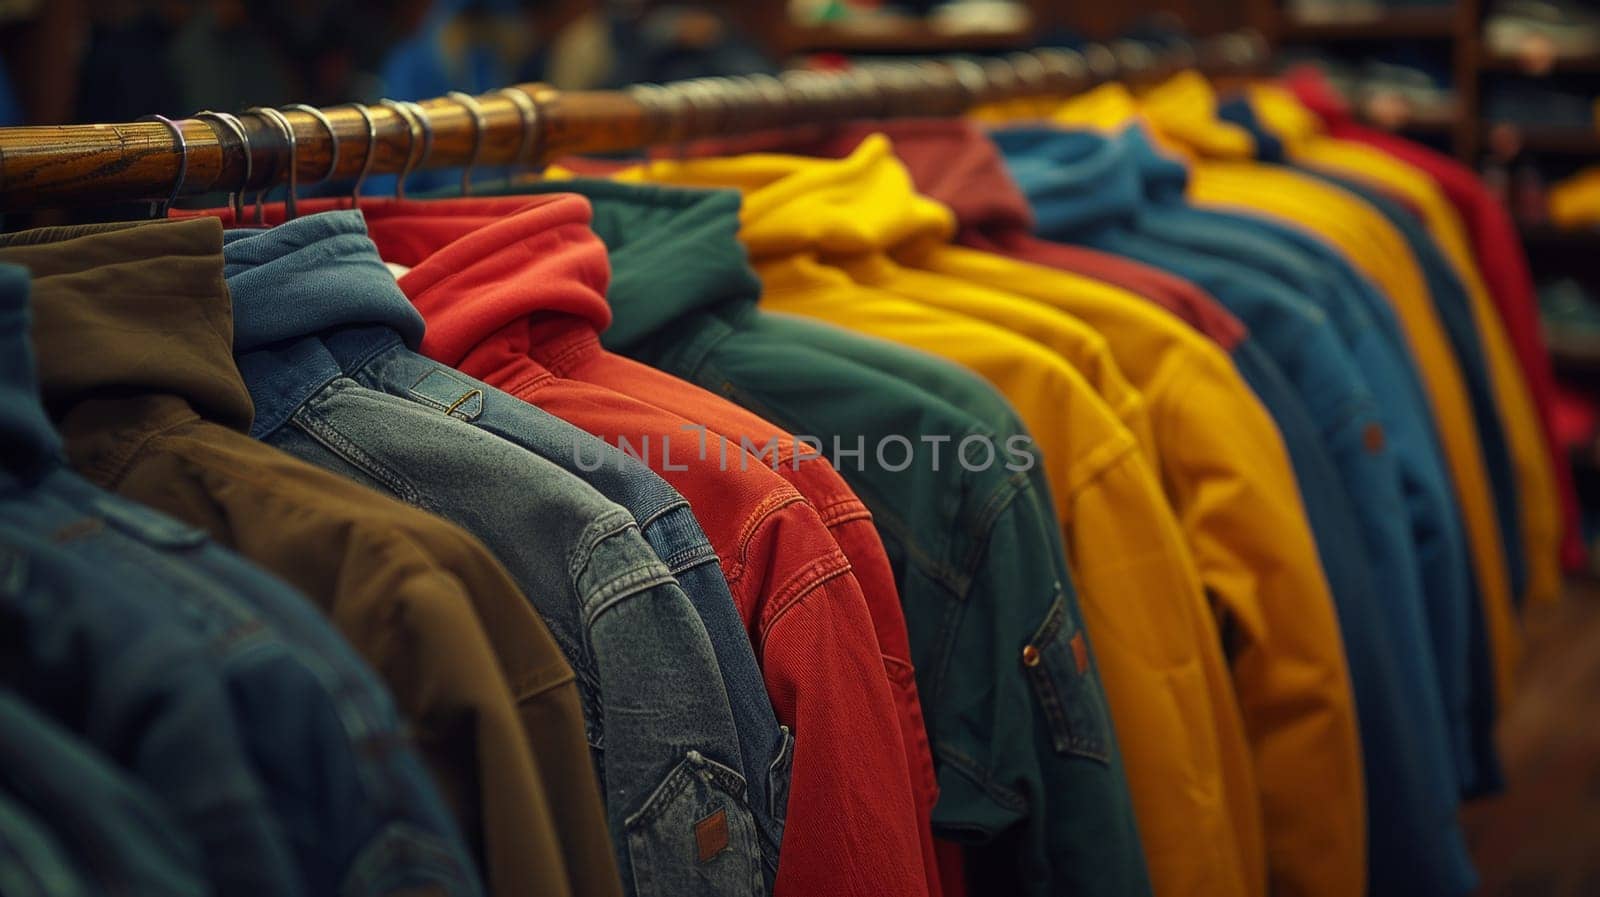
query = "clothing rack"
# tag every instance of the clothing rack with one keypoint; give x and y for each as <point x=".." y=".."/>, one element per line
<point x="530" y="124"/>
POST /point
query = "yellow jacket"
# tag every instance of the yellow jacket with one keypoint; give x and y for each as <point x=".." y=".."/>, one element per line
<point x="1575" y="202"/>
<point x="1225" y="470"/>
<point x="805" y="222"/>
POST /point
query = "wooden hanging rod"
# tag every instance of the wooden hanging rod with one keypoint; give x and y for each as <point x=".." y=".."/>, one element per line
<point x="82" y="165"/>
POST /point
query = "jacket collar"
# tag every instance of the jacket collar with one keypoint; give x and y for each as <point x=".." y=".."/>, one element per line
<point x="862" y="203"/>
<point x="1184" y="109"/>
<point x="314" y="274"/>
<point x="311" y="301"/>
<point x="479" y="265"/>
<point x="1076" y="181"/>
<point x="950" y="160"/>
<point x="131" y="310"/>
<point x="673" y="251"/>
<point x="29" y="445"/>
<point x="954" y="163"/>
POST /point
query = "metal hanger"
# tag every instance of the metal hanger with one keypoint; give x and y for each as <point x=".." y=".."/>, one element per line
<point x="427" y="130"/>
<point x="371" y="151"/>
<point x="415" y="129"/>
<point x="528" y="113"/>
<point x="232" y="123"/>
<point x="158" y="209"/>
<point x="290" y="206"/>
<point x="479" y="125"/>
<point x="333" y="136"/>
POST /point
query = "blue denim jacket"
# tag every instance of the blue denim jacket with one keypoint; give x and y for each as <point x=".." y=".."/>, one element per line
<point x="1087" y="188"/>
<point x="323" y="337"/>
<point x="32" y="861"/>
<point x="117" y="833"/>
<point x="350" y="801"/>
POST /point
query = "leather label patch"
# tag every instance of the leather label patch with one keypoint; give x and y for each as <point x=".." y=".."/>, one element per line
<point x="1372" y="438"/>
<point x="711" y="835"/>
<point x="1080" y="652"/>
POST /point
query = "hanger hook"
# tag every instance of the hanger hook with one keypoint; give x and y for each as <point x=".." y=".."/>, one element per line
<point x="528" y="113"/>
<point x="370" y="153"/>
<point x="232" y="123"/>
<point x="415" y="129"/>
<point x="327" y="125"/>
<point x="158" y="209"/>
<point x="427" y="130"/>
<point x="290" y="206"/>
<point x="479" y="126"/>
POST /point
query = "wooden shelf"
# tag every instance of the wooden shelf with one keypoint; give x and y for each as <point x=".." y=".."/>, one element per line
<point x="1431" y="125"/>
<point x="899" y="36"/>
<point x="1570" y="65"/>
<point x="1414" y="23"/>
<point x="1559" y="141"/>
<point x="1548" y="236"/>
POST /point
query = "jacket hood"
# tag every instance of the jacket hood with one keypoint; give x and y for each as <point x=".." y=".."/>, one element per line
<point x="308" y="276"/>
<point x="951" y="161"/>
<point x="132" y="309"/>
<point x="1237" y="110"/>
<point x="1076" y="181"/>
<point x="479" y="265"/>
<point x="1163" y="179"/>
<point x="862" y="203"/>
<point x="29" y="445"/>
<point x="1281" y="114"/>
<point x="673" y="250"/>
<point x="1183" y="109"/>
<point x="463" y="279"/>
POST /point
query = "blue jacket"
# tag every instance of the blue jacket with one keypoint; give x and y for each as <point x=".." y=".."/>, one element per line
<point x="255" y="687"/>
<point x="324" y="339"/>
<point x="117" y="833"/>
<point x="1089" y="189"/>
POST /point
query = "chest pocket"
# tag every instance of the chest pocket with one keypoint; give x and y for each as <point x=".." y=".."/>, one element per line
<point x="1058" y="664"/>
<point x="695" y="835"/>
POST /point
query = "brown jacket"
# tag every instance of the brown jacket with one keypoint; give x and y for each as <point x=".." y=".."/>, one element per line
<point x="134" y="331"/>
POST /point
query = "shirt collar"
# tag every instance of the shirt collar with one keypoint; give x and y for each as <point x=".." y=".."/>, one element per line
<point x="132" y="309"/>
<point x="29" y="445"/>
<point x="1076" y="181"/>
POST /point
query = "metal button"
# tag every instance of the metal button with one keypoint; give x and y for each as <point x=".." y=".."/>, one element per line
<point x="1030" y="656"/>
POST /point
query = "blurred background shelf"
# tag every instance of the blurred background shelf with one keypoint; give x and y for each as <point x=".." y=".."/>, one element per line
<point x="1390" y="25"/>
<point x="907" y="37"/>
<point x="1521" y="65"/>
<point x="1566" y="141"/>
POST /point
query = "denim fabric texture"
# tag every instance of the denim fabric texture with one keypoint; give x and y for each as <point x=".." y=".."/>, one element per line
<point x="117" y="834"/>
<point x="658" y="717"/>
<point x="1087" y="188"/>
<point x="358" y="810"/>
<point x="91" y="647"/>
